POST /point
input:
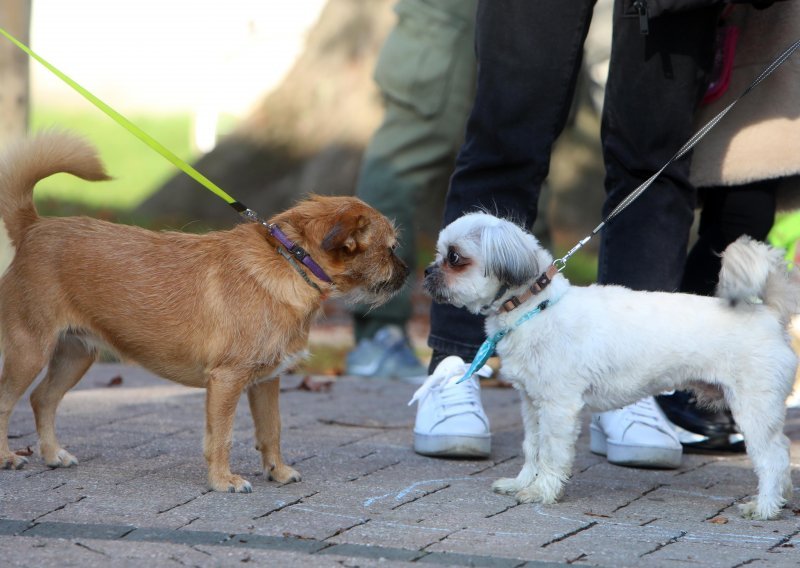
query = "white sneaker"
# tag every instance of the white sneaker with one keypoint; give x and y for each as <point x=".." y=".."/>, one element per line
<point x="638" y="435"/>
<point x="450" y="418"/>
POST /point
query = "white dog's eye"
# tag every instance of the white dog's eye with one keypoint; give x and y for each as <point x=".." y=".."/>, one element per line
<point x="453" y="258"/>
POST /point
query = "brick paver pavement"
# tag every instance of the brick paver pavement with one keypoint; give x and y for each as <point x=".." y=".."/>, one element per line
<point x="139" y="493"/>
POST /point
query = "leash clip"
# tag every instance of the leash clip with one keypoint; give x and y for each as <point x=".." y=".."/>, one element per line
<point x="251" y="215"/>
<point x="561" y="263"/>
<point x="298" y="252"/>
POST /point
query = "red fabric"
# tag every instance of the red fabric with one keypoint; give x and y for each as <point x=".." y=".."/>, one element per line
<point x="723" y="64"/>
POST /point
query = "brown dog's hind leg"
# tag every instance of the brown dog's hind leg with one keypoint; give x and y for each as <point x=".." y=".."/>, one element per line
<point x="24" y="358"/>
<point x="265" y="409"/>
<point x="222" y="394"/>
<point x="69" y="362"/>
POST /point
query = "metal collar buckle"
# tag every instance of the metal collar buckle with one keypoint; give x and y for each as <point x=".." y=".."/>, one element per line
<point x="298" y="252"/>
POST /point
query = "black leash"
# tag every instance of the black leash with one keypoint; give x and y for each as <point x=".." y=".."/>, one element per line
<point x="560" y="263"/>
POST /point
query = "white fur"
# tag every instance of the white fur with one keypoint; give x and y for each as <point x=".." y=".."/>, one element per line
<point x="608" y="346"/>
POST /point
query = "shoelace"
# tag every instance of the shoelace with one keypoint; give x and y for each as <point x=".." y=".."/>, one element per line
<point x="452" y="394"/>
<point x="646" y="411"/>
<point x="458" y="399"/>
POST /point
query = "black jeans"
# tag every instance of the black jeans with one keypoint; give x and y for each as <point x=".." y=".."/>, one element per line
<point x="728" y="213"/>
<point x="529" y="54"/>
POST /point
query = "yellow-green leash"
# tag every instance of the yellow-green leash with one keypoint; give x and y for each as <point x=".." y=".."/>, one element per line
<point x="139" y="133"/>
<point x="294" y="251"/>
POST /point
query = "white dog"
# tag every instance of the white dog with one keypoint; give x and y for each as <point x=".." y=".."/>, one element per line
<point x="607" y="346"/>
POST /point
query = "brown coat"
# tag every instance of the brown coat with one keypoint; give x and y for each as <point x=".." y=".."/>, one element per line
<point x="760" y="137"/>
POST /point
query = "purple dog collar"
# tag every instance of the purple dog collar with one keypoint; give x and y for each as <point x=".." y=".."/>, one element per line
<point x="298" y="252"/>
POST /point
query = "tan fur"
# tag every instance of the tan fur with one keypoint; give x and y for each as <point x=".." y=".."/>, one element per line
<point x="219" y="311"/>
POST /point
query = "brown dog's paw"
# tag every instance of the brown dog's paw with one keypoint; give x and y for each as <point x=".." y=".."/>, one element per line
<point x="60" y="458"/>
<point x="284" y="474"/>
<point x="12" y="461"/>
<point x="231" y="484"/>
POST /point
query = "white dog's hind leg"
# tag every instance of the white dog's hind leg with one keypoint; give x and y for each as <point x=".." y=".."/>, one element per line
<point x="786" y="483"/>
<point x="530" y="423"/>
<point x="761" y="423"/>
<point x="558" y="432"/>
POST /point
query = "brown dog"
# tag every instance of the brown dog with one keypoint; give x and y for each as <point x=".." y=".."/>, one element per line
<point x="223" y="311"/>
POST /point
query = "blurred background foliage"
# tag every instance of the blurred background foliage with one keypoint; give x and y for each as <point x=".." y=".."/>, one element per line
<point x="270" y="100"/>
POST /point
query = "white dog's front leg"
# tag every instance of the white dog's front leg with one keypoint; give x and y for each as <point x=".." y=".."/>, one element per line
<point x="558" y="431"/>
<point x="530" y="423"/>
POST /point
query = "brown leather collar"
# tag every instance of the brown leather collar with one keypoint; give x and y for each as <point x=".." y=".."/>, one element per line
<point x="541" y="283"/>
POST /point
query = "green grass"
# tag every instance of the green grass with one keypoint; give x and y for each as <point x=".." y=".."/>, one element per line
<point x="137" y="170"/>
<point x="581" y="268"/>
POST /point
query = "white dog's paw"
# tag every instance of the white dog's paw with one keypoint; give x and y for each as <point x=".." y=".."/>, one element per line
<point x="545" y="490"/>
<point x="533" y="494"/>
<point x="529" y="494"/>
<point x="753" y="510"/>
<point x="506" y="486"/>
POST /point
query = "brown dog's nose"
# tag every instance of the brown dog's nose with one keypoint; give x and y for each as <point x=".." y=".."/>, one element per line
<point x="428" y="270"/>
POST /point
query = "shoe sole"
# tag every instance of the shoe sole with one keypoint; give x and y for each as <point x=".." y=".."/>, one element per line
<point x="453" y="446"/>
<point x="634" y="456"/>
<point x="733" y="443"/>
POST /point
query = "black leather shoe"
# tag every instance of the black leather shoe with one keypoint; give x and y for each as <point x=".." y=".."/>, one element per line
<point x="699" y="427"/>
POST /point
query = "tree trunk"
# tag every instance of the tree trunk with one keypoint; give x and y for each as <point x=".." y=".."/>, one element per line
<point x="15" y="17"/>
<point x="307" y="136"/>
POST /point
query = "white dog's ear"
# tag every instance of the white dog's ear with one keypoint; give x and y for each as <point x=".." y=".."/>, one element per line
<point x="509" y="254"/>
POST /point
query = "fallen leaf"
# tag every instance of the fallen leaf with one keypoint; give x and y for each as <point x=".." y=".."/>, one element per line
<point x="718" y="520"/>
<point x="26" y="452"/>
<point x="497" y="383"/>
<point x="367" y="423"/>
<point x="311" y="384"/>
<point x="115" y="382"/>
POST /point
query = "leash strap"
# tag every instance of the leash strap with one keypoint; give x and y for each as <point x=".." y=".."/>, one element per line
<point x="128" y="125"/>
<point x="780" y="60"/>
<point x="289" y="257"/>
<point x="293" y="248"/>
<point x="299" y="253"/>
<point x="486" y="350"/>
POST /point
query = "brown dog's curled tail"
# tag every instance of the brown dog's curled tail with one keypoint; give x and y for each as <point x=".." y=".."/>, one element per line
<point x="34" y="159"/>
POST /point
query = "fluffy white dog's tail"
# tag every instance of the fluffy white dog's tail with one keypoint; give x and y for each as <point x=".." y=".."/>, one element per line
<point x="752" y="269"/>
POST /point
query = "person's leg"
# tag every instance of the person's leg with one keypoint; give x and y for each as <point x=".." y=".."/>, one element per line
<point x="426" y="73"/>
<point x="727" y="214"/>
<point x="654" y="85"/>
<point x="529" y="54"/>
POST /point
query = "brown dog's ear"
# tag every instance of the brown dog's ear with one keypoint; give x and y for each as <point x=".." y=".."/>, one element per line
<point x="343" y="234"/>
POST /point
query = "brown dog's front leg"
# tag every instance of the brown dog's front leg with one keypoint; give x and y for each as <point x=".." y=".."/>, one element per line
<point x="222" y="394"/>
<point x="266" y="413"/>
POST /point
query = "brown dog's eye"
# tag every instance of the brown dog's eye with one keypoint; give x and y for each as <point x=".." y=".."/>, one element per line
<point x="453" y="258"/>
